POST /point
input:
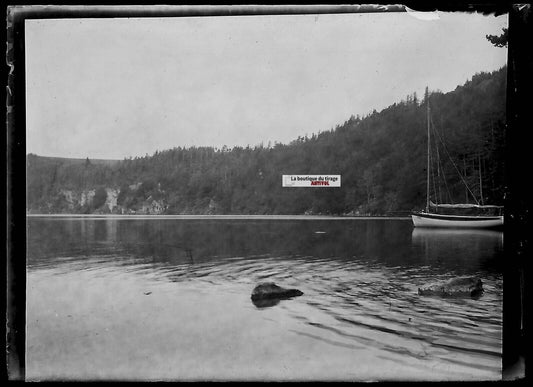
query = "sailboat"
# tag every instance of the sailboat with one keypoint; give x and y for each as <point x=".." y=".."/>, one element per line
<point x="455" y="220"/>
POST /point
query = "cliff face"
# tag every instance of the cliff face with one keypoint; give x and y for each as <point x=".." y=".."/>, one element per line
<point x="153" y="207"/>
<point x="83" y="201"/>
<point x="86" y="197"/>
<point x="111" y="199"/>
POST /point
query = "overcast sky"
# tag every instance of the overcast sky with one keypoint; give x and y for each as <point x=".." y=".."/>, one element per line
<point x="114" y="88"/>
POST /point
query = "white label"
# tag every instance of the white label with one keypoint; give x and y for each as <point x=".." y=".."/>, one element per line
<point x="311" y="181"/>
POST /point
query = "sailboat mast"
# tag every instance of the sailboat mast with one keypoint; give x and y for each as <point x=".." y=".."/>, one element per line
<point x="480" y="179"/>
<point x="427" y="176"/>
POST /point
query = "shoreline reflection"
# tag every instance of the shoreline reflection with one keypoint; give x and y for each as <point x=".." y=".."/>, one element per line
<point x="424" y="236"/>
<point x="459" y="248"/>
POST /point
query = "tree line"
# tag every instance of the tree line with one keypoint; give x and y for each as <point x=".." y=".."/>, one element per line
<point x="381" y="157"/>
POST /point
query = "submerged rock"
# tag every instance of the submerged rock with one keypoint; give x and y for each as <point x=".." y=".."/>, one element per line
<point x="456" y="287"/>
<point x="269" y="291"/>
<point x="265" y="302"/>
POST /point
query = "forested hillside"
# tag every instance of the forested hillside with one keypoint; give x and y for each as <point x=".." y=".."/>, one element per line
<point x="381" y="157"/>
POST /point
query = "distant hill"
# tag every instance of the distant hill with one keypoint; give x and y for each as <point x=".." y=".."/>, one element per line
<point x="76" y="161"/>
<point x="381" y="158"/>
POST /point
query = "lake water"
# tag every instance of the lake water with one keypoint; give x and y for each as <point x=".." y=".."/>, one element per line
<point x="169" y="299"/>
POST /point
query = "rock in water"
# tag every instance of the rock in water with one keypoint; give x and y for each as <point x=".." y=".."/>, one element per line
<point x="456" y="287"/>
<point x="269" y="290"/>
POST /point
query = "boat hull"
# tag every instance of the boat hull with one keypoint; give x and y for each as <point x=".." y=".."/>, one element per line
<point x="423" y="219"/>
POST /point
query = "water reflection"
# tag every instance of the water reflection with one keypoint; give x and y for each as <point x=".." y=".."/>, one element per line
<point x="176" y="241"/>
<point x="435" y="235"/>
<point x="178" y="244"/>
<point x="111" y="229"/>
<point x="460" y="248"/>
<point x="266" y="303"/>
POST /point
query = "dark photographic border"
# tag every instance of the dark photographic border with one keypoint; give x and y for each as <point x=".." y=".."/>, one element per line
<point x="519" y="97"/>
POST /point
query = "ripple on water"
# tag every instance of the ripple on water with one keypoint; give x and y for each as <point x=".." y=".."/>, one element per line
<point x="360" y="306"/>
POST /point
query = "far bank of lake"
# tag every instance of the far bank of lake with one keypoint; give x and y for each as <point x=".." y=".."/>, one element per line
<point x="229" y="216"/>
